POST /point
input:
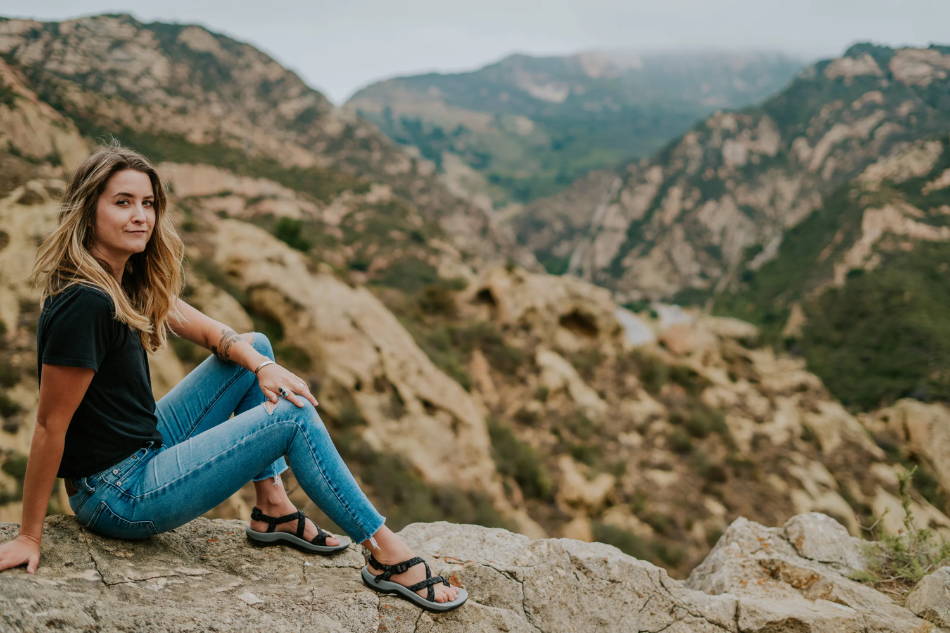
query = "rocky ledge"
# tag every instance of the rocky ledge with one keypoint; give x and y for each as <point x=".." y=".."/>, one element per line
<point x="204" y="576"/>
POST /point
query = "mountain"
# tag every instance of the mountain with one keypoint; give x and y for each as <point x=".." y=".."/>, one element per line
<point x="456" y="387"/>
<point x="181" y="93"/>
<point x="528" y="126"/>
<point x="820" y="214"/>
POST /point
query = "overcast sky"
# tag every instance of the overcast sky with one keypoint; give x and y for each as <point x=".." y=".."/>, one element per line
<point x="340" y="46"/>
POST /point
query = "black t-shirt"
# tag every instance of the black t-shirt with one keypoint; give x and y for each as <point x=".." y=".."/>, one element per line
<point x="117" y="414"/>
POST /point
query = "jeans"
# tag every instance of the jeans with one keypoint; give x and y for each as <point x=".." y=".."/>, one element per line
<point x="207" y="456"/>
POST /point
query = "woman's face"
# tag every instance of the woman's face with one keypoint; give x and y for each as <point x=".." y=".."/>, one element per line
<point x="125" y="216"/>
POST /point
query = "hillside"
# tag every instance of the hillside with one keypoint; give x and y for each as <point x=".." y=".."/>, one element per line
<point x="687" y="222"/>
<point x="456" y="388"/>
<point x="527" y="126"/>
<point x="861" y="286"/>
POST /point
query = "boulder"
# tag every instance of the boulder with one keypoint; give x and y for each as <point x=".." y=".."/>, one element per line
<point x="204" y="576"/>
<point x="930" y="599"/>
<point x="779" y="589"/>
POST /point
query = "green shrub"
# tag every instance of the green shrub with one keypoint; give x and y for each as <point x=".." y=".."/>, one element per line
<point x="680" y="442"/>
<point x="409" y="274"/>
<point x="7" y="406"/>
<point x="290" y="230"/>
<point x="437" y="299"/>
<point x="625" y="541"/>
<point x="15" y="466"/>
<point x="519" y="461"/>
<point x="586" y="362"/>
<point x="896" y="562"/>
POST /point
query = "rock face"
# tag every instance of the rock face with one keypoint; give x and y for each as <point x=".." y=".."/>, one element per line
<point x="205" y="577"/>
<point x="720" y="200"/>
<point x="931" y="598"/>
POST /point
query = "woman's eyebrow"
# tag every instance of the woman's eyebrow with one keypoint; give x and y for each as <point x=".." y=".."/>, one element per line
<point x="123" y="193"/>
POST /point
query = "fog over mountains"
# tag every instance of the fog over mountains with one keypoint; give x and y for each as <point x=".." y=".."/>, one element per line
<point x="527" y="126"/>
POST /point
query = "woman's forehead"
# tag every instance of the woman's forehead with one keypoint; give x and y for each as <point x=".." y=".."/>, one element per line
<point x="129" y="181"/>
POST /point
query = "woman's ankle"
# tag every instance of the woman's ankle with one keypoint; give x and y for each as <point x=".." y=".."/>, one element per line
<point x="270" y="493"/>
<point x="387" y="547"/>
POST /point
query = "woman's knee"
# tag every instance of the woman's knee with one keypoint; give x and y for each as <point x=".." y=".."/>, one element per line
<point x="260" y="342"/>
<point x="305" y="415"/>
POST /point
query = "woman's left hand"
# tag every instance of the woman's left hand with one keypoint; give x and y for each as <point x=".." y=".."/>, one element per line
<point x="274" y="378"/>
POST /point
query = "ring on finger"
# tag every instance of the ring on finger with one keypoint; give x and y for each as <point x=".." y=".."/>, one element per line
<point x="283" y="392"/>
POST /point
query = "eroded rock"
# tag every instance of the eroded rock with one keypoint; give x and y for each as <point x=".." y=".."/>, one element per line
<point x="204" y="576"/>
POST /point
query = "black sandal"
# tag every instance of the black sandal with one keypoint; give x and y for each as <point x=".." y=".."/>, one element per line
<point x="381" y="583"/>
<point x="271" y="537"/>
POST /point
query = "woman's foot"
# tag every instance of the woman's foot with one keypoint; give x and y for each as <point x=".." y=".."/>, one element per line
<point x="310" y="531"/>
<point x="272" y="500"/>
<point x="392" y="550"/>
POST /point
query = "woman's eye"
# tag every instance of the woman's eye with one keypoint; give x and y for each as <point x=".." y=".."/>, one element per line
<point x="147" y="203"/>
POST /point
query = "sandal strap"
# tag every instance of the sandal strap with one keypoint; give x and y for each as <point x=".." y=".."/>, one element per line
<point x="428" y="583"/>
<point x="398" y="568"/>
<point x="273" y="522"/>
<point x="321" y="537"/>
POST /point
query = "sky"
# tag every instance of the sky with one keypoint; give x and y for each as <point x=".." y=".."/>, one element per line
<point x="340" y="46"/>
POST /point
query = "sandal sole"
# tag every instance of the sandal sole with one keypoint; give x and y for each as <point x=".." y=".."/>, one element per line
<point x="389" y="587"/>
<point x="285" y="538"/>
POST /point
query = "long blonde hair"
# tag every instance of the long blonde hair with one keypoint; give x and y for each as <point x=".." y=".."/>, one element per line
<point x="152" y="280"/>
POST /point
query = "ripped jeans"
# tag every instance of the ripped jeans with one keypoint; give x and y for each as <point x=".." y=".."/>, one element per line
<point x="207" y="456"/>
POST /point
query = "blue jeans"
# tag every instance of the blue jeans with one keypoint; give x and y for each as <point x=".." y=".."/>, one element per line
<point x="207" y="456"/>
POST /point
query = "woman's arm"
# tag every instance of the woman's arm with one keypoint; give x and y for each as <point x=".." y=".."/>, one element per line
<point x="227" y="345"/>
<point x="61" y="390"/>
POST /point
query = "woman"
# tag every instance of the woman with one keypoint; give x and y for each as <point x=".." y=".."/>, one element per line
<point x="111" y="276"/>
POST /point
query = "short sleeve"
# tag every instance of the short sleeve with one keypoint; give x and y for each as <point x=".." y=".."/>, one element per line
<point x="81" y="330"/>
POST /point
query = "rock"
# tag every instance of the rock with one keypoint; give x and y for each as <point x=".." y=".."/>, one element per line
<point x="778" y="589"/>
<point x="204" y="576"/>
<point x="820" y="538"/>
<point x="930" y="599"/>
<point x="925" y="430"/>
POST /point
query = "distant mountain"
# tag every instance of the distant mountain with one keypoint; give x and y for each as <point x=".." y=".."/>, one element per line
<point x="764" y="209"/>
<point x="528" y="126"/>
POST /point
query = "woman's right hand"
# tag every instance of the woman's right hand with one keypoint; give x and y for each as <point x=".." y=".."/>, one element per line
<point x="22" y="549"/>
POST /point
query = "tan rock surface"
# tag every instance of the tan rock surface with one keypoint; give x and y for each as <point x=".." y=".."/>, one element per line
<point x="204" y="576"/>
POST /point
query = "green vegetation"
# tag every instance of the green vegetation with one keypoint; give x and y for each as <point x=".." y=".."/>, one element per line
<point x="884" y="335"/>
<point x="768" y="292"/>
<point x="290" y="230"/>
<point x="656" y="551"/>
<point x="881" y="335"/>
<point x="520" y="461"/>
<point x="607" y="122"/>
<point x="7" y="96"/>
<point x="7" y="406"/>
<point x="319" y="183"/>
<point x="896" y="562"/>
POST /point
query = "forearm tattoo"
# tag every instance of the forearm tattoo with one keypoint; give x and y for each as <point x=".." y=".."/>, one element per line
<point x="223" y="349"/>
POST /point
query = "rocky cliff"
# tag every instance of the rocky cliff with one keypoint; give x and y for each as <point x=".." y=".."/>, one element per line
<point x="720" y="199"/>
<point x="205" y="577"/>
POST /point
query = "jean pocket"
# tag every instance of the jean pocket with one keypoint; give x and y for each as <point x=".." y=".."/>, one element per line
<point x="106" y="522"/>
<point x="78" y="500"/>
